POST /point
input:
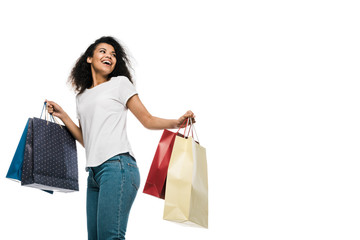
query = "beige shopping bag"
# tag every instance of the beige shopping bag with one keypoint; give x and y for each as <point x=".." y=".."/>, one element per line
<point x="186" y="195"/>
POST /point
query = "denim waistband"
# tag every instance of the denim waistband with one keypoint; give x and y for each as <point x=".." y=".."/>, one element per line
<point x="117" y="157"/>
<point x="114" y="158"/>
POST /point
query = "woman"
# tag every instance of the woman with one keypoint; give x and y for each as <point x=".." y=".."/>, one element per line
<point x="105" y="91"/>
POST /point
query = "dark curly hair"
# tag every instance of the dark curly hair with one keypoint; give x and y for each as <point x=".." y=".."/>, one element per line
<point x="81" y="77"/>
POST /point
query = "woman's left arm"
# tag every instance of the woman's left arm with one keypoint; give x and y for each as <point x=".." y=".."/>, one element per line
<point x="152" y="122"/>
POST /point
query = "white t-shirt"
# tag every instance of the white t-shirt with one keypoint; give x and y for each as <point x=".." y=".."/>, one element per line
<point x="102" y="113"/>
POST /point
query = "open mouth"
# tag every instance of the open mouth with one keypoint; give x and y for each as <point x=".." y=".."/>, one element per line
<point x="107" y="62"/>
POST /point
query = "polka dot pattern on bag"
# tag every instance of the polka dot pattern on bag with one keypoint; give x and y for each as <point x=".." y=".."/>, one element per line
<point x="54" y="157"/>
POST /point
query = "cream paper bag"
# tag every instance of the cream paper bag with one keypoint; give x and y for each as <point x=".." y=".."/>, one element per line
<point x="186" y="195"/>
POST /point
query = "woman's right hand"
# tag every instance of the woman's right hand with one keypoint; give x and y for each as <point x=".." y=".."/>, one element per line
<point x="54" y="109"/>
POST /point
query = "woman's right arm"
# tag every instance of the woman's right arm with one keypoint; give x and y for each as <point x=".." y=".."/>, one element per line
<point x="57" y="111"/>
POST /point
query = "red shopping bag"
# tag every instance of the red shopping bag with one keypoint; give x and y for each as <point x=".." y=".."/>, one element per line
<point x="156" y="180"/>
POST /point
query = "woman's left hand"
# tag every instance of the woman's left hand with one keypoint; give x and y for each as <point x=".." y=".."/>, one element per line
<point x="188" y="114"/>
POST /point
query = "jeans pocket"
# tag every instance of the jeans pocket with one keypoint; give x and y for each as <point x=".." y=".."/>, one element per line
<point x="91" y="180"/>
<point x="135" y="175"/>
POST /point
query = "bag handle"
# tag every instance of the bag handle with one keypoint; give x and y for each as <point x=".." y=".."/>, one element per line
<point x="193" y="129"/>
<point x="52" y="119"/>
<point x="186" y="126"/>
<point x="181" y="126"/>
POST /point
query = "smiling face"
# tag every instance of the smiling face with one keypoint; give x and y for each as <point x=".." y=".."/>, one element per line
<point x="103" y="60"/>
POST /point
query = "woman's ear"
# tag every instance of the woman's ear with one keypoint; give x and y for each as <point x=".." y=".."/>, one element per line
<point x="89" y="60"/>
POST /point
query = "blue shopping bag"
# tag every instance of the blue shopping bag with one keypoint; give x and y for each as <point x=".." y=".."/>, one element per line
<point x="15" y="168"/>
<point x="46" y="157"/>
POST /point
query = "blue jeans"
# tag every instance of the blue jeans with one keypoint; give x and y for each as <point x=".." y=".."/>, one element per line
<point x="111" y="191"/>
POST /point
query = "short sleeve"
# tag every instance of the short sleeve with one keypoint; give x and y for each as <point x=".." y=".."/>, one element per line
<point x="126" y="89"/>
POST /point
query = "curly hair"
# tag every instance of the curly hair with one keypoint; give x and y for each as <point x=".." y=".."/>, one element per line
<point x="81" y="77"/>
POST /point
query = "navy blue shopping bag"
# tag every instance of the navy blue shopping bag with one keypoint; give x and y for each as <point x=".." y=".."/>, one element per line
<point x="50" y="157"/>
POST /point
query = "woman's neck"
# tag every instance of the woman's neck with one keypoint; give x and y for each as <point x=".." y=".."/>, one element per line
<point x="98" y="79"/>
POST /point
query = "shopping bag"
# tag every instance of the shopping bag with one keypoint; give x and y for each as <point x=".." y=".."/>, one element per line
<point x="50" y="158"/>
<point x="156" y="180"/>
<point x="15" y="168"/>
<point x="186" y="194"/>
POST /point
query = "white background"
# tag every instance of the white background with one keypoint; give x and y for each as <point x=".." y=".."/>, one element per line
<point x="274" y="86"/>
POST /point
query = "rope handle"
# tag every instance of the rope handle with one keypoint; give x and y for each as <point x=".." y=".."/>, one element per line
<point x="52" y="119"/>
<point x="187" y="121"/>
<point x="190" y="129"/>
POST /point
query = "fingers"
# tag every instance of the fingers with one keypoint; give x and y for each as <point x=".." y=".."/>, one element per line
<point x="50" y="103"/>
<point x="193" y="120"/>
<point x="189" y="114"/>
<point x="51" y="106"/>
